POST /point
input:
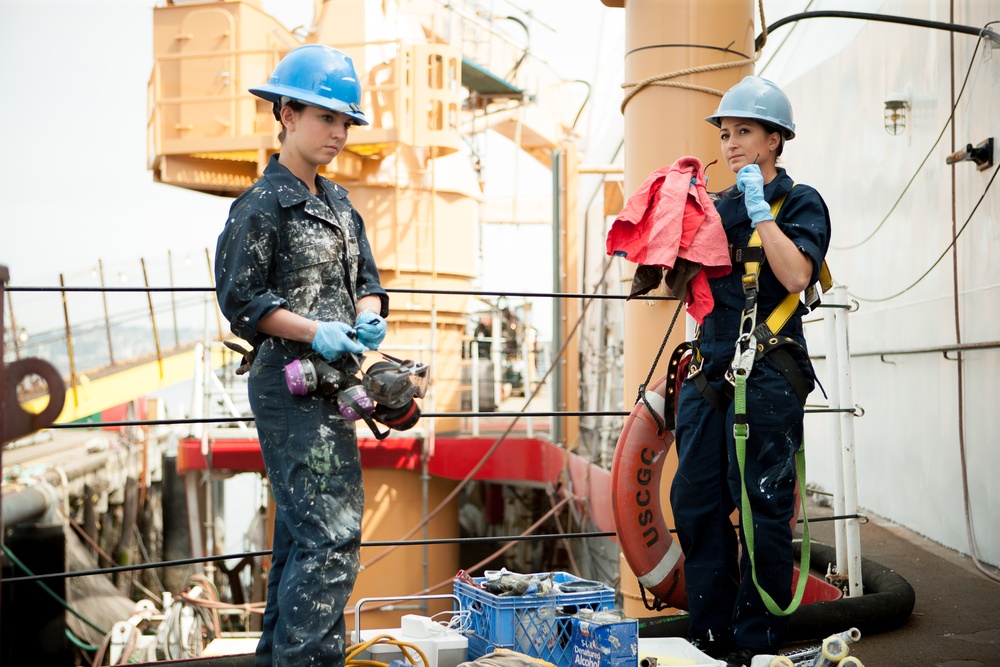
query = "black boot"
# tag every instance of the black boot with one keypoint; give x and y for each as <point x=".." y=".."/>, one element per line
<point x="741" y="657"/>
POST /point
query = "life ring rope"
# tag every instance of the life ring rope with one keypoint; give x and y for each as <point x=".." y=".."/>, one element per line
<point x="642" y="393"/>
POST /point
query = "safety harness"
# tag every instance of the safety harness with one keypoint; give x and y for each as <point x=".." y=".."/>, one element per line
<point x="754" y="342"/>
<point x="764" y="338"/>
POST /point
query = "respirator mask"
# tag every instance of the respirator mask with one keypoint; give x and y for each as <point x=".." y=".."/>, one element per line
<point x="385" y="392"/>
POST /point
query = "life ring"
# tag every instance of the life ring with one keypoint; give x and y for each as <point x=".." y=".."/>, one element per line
<point x="650" y="551"/>
<point x="636" y="472"/>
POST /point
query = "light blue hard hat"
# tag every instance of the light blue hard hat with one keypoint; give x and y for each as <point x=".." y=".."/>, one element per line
<point x="759" y="99"/>
<point x="319" y="75"/>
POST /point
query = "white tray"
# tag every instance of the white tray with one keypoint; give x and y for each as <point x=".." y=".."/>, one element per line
<point x="670" y="651"/>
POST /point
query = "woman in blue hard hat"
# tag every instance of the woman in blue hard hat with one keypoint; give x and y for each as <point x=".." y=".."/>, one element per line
<point x="729" y="618"/>
<point x="295" y="276"/>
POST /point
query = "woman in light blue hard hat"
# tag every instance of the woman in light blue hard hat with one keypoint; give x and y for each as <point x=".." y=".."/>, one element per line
<point x="729" y="617"/>
<point x="295" y="276"/>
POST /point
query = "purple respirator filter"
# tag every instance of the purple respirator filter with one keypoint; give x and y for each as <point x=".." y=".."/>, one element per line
<point x="297" y="378"/>
<point x="360" y="399"/>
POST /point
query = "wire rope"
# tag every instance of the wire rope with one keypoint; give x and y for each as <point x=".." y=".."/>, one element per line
<point x="526" y="536"/>
<point x="944" y="253"/>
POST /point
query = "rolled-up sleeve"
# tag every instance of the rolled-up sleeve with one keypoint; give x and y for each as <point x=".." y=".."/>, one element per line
<point x="243" y="257"/>
<point x="368" y="280"/>
<point x="805" y="220"/>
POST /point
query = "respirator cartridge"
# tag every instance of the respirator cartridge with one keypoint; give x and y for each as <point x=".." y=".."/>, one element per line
<point x="385" y="392"/>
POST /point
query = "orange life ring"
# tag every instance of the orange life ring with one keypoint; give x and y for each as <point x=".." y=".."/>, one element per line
<point x="651" y="552"/>
<point x="636" y="471"/>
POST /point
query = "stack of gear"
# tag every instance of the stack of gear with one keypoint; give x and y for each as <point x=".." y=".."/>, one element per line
<point x="383" y="393"/>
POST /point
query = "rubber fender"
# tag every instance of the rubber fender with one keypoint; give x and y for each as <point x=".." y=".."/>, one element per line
<point x="886" y="604"/>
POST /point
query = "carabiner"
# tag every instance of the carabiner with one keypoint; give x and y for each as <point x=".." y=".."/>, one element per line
<point x="748" y="322"/>
<point x="743" y="363"/>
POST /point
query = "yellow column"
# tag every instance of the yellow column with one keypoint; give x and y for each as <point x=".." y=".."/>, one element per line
<point x="663" y="124"/>
<point x="571" y="308"/>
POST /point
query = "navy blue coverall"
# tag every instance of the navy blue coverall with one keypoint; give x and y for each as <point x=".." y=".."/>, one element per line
<point x="725" y="606"/>
<point x="285" y="247"/>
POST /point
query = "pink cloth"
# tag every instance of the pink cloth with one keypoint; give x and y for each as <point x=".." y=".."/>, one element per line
<point x="671" y="216"/>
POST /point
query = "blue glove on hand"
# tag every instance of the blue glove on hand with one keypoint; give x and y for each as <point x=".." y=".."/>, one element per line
<point x="371" y="328"/>
<point x="334" y="339"/>
<point x="751" y="183"/>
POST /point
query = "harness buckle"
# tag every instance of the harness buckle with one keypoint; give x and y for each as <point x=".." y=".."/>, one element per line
<point x="743" y="363"/>
<point x="743" y="359"/>
<point x="694" y="368"/>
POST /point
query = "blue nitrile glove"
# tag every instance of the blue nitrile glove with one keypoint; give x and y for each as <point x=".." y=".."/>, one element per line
<point x="334" y="339"/>
<point x="371" y="328"/>
<point x="751" y="183"/>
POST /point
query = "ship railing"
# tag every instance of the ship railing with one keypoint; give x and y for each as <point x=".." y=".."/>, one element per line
<point x="846" y="510"/>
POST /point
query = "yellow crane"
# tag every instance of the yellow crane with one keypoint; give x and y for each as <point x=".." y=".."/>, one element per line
<point x="424" y="95"/>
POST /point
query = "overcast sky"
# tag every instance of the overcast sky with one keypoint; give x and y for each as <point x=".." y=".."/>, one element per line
<point x="75" y="185"/>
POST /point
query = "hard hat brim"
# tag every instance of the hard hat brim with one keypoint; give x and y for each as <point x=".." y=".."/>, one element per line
<point x="274" y="93"/>
<point x="716" y="120"/>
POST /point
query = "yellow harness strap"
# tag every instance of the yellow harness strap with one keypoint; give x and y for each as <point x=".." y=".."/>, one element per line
<point x="787" y="307"/>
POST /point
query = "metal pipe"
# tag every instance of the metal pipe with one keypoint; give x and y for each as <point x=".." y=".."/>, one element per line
<point x="866" y="16"/>
<point x="601" y="169"/>
<point x="526" y="378"/>
<point x="69" y="344"/>
<point x="107" y="316"/>
<point x="836" y="435"/>
<point x="556" y="427"/>
<point x="207" y="451"/>
<point x="152" y="317"/>
<point x="211" y="276"/>
<point x="38" y="503"/>
<point x="13" y="324"/>
<point x="852" y="528"/>
<point x="943" y="349"/>
<point x="198" y="388"/>
<point x="496" y="355"/>
<point x="173" y="297"/>
<point x="474" y="374"/>
<point x="193" y="520"/>
<point x="428" y="445"/>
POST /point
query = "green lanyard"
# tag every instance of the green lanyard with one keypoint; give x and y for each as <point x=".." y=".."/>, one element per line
<point x="741" y="430"/>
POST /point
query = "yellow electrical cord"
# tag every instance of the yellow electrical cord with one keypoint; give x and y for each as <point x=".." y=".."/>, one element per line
<point x="354" y="650"/>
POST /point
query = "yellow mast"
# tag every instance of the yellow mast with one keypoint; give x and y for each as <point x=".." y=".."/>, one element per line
<point x="663" y="123"/>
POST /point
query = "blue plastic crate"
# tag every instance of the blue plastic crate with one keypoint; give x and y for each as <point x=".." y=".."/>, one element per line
<point x="537" y="625"/>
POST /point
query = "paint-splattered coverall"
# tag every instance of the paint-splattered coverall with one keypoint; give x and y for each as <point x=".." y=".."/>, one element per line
<point x="724" y="603"/>
<point x="284" y="247"/>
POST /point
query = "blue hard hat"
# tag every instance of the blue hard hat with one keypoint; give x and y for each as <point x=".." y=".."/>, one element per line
<point x="759" y="99"/>
<point x="319" y="75"/>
